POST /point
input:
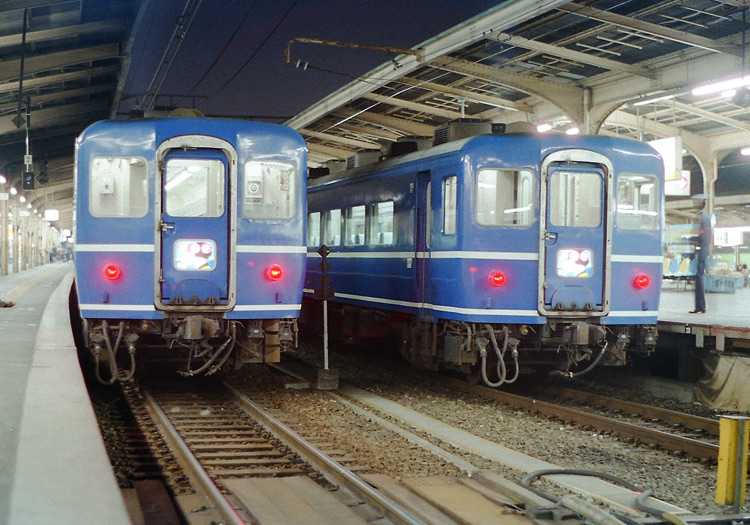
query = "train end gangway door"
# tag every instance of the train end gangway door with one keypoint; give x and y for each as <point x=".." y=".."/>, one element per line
<point x="196" y="227"/>
<point x="575" y="234"/>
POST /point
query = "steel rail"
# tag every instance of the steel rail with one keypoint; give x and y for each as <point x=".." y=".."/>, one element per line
<point x="693" y="447"/>
<point x="190" y="464"/>
<point x="323" y="463"/>
<point x="663" y="414"/>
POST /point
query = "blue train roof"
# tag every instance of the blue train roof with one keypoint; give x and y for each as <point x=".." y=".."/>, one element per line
<point x="544" y="144"/>
<point x="136" y="131"/>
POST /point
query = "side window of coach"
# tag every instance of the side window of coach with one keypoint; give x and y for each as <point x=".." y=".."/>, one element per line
<point x="381" y="223"/>
<point x="332" y="227"/>
<point x="450" y="186"/>
<point x="355" y="226"/>
<point x="268" y="190"/>
<point x="313" y="229"/>
<point x="118" y="187"/>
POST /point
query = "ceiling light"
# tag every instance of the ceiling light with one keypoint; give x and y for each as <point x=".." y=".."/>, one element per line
<point x="745" y="151"/>
<point x="718" y="87"/>
<point x="13" y="191"/>
<point x="729" y="93"/>
<point x="572" y="131"/>
<point x="543" y="128"/>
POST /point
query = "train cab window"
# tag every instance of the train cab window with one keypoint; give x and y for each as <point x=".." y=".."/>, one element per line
<point x="575" y="199"/>
<point x="505" y="198"/>
<point x="313" y="229"/>
<point x="450" y="186"/>
<point x="637" y="202"/>
<point x="268" y="190"/>
<point x="118" y="187"/>
<point x="194" y="187"/>
<point x="332" y="228"/>
<point x="381" y="223"/>
<point x="355" y="226"/>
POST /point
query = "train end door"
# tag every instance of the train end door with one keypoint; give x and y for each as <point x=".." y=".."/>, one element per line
<point x="195" y="229"/>
<point x="575" y="233"/>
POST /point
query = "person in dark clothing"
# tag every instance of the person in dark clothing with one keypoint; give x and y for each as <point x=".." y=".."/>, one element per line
<point x="702" y="245"/>
<point x="6" y="304"/>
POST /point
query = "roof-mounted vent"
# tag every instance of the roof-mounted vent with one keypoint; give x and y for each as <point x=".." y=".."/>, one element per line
<point x="520" y="127"/>
<point x="462" y="128"/>
<point x="364" y="157"/>
<point x="407" y="144"/>
<point x="335" y="166"/>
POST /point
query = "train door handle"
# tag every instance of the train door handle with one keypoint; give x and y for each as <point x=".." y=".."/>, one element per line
<point x="550" y="236"/>
<point x="165" y="226"/>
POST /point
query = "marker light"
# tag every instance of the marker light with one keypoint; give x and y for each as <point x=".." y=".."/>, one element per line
<point x="112" y="272"/>
<point x="641" y="281"/>
<point x="273" y="272"/>
<point x="497" y="278"/>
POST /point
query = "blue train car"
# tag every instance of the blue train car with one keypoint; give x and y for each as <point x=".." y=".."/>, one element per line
<point x="498" y="254"/>
<point x="190" y="236"/>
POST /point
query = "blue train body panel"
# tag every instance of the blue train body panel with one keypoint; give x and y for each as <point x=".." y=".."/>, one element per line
<point x="190" y="236"/>
<point x="131" y="241"/>
<point x="508" y="230"/>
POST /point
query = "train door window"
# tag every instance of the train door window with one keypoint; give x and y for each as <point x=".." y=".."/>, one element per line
<point x="313" y="229"/>
<point x="118" y="187"/>
<point x="637" y="202"/>
<point x="575" y="199"/>
<point x="269" y="190"/>
<point x="505" y="197"/>
<point x="194" y="187"/>
<point x="450" y="186"/>
<point x="332" y="228"/>
<point x="355" y="226"/>
<point x="381" y="223"/>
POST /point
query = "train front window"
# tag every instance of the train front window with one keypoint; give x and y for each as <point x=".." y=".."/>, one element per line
<point x="118" y="187"/>
<point x="269" y="190"/>
<point x="194" y="187"/>
<point x="575" y="199"/>
<point x="637" y="202"/>
<point x="505" y="198"/>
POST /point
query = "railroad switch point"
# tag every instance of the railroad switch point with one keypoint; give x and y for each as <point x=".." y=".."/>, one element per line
<point x="327" y="379"/>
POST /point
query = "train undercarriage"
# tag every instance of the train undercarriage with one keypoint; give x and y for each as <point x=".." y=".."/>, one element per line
<point x="200" y="344"/>
<point x="498" y="354"/>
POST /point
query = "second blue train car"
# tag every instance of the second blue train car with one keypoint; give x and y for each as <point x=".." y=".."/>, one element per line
<point x="189" y="240"/>
<point x="498" y="254"/>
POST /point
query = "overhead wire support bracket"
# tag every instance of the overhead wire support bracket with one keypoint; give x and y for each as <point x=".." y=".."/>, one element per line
<point x="178" y="35"/>
<point x="419" y="53"/>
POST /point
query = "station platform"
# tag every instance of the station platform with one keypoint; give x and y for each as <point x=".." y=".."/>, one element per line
<point x="53" y="464"/>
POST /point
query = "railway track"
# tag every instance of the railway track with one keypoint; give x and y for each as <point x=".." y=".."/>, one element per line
<point x="255" y="469"/>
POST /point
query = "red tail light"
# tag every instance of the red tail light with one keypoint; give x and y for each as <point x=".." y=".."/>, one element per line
<point x="273" y="272"/>
<point x="112" y="272"/>
<point x="641" y="281"/>
<point x="497" y="278"/>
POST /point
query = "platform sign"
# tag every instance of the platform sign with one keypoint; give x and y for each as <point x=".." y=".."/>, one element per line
<point x="3" y="196"/>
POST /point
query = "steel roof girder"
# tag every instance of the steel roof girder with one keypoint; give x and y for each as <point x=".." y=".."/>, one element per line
<point x="415" y="106"/>
<point x="66" y="31"/>
<point x="406" y="127"/>
<point x="668" y="33"/>
<point x="506" y="15"/>
<point x="37" y="64"/>
<point x="53" y="116"/>
<point x="567" y="98"/>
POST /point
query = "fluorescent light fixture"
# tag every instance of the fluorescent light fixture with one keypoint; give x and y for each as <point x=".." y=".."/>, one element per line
<point x="543" y="128"/>
<point x="13" y="191"/>
<point x="718" y="87"/>
<point x="178" y="179"/>
<point x="654" y="99"/>
<point x="3" y="180"/>
<point x="745" y="151"/>
<point x="516" y="210"/>
<point x="22" y="198"/>
<point x="572" y="131"/>
<point x="729" y="93"/>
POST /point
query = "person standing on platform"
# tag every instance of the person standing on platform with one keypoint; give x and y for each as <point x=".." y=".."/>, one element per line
<point x="702" y="245"/>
